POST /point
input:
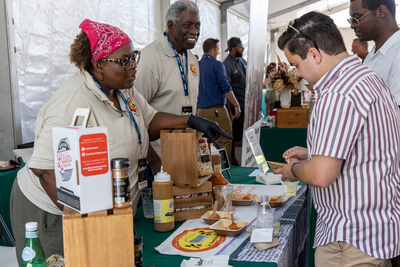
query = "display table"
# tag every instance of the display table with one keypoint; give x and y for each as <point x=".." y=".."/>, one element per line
<point x="275" y="141"/>
<point x="6" y="181"/>
<point x="291" y="253"/>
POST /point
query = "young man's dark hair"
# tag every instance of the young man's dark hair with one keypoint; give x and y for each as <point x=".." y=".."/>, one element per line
<point x="209" y="44"/>
<point x="312" y="30"/>
<point x="373" y="4"/>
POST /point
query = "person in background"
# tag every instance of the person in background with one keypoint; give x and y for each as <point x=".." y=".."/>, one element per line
<point x="168" y="75"/>
<point x="107" y="63"/>
<point x="352" y="159"/>
<point x="236" y="71"/>
<point x="214" y="91"/>
<point x="360" y="48"/>
<point x="375" y="20"/>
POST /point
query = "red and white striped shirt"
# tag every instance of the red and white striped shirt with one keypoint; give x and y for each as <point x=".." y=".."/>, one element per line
<point x="356" y="119"/>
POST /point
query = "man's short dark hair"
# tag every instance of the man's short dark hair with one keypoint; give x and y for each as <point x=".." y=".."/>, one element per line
<point x="209" y="44"/>
<point x="374" y="4"/>
<point x="313" y="29"/>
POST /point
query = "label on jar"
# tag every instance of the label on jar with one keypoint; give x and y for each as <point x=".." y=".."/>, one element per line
<point x="121" y="190"/>
<point x="164" y="210"/>
<point x="217" y="168"/>
<point x="204" y="151"/>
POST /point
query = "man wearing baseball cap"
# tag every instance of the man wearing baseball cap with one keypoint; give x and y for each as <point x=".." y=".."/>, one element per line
<point x="236" y="71"/>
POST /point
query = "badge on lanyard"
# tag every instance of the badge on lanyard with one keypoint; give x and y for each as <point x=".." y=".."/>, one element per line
<point x="187" y="110"/>
<point x="142" y="174"/>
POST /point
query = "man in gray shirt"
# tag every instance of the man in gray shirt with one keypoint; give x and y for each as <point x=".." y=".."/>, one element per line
<point x="236" y="71"/>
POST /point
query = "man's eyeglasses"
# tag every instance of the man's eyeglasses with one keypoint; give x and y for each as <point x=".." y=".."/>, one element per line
<point x="356" y="21"/>
<point x="127" y="63"/>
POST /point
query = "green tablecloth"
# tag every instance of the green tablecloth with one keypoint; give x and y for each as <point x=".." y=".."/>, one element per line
<point x="275" y="141"/>
<point x="152" y="239"/>
<point x="6" y="182"/>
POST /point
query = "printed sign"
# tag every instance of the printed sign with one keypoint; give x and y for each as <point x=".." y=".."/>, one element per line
<point x="93" y="154"/>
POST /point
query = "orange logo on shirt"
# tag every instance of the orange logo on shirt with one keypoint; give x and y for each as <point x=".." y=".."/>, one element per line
<point x="193" y="69"/>
<point x="132" y="106"/>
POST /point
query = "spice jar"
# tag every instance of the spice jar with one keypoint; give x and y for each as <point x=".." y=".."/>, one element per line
<point x="121" y="185"/>
<point x="138" y="239"/>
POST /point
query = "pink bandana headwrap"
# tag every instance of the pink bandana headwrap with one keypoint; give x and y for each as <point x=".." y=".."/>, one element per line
<point x="104" y="39"/>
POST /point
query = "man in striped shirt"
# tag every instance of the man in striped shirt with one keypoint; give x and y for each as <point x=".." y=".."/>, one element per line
<point x="353" y="157"/>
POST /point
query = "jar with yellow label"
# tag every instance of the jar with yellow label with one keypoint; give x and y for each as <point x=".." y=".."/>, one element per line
<point x="163" y="201"/>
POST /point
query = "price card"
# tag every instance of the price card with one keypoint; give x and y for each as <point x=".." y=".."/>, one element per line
<point x="260" y="235"/>
<point x="257" y="151"/>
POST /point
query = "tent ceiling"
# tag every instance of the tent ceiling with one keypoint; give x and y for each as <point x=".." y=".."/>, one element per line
<point x="281" y="12"/>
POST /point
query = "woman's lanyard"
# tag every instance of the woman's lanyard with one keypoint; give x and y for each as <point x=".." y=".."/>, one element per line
<point x="127" y="107"/>
<point x="178" y="59"/>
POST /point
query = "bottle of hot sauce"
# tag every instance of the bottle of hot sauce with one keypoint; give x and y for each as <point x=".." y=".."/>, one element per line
<point x="163" y="201"/>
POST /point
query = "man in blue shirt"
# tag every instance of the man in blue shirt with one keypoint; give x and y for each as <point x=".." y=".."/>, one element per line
<point x="214" y="91"/>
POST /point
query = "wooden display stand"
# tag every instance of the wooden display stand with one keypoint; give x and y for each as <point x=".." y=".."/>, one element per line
<point x="192" y="201"/>
<point x="294" y="117"/>
<point x="179" y="156"/>
<point x="103" y="238"/>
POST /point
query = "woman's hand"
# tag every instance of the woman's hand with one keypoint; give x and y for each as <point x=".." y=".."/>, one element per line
<point x="298" y="153"/>
<point x="164" y="120"/>
<point x="210" y="129"/>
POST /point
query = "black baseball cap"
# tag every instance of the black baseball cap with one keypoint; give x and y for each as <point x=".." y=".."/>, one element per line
<point x="234" y="41"/>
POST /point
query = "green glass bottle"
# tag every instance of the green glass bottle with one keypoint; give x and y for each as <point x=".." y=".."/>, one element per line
<point x="32" y="254"/>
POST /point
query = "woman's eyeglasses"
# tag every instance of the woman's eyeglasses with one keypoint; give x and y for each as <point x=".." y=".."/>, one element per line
<point x="127" y="63"/>
<point x="356" y="21"/>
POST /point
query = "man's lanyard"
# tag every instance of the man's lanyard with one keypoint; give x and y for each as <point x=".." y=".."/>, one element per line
<point x="127" y="107"/>
<point x="178" y="59"/>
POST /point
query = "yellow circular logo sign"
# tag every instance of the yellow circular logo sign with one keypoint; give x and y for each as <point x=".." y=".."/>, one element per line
<point x="197" y="240"/>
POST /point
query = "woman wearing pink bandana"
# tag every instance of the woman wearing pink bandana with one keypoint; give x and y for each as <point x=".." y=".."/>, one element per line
<point x="107" y="65"/>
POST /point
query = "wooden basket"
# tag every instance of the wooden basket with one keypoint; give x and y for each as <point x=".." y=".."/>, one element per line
<point x="103" y="238"/>
<point x="190" y="202"/>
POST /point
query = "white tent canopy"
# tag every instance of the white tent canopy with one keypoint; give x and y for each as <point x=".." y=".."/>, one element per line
<point x="36" y="36"/>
